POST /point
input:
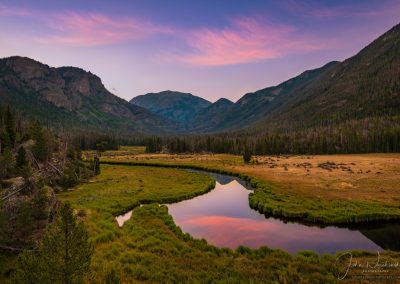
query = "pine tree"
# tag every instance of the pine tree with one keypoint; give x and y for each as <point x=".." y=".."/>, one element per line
<point x="21" y="158"/>
<point x="41" y="148"/>
<point x="96" y="162"/>
<point x="6" y="164"/>
<point x="247" y="155"/>
<point x="11" y="127"/>
<point x="64" y="254"/>
<point x="39" y="202"/>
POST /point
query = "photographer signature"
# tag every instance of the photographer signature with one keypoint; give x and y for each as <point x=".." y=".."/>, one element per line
<point x="379" y="265"/>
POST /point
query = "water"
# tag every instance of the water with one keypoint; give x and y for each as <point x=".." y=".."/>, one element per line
<point x="123" y="218"/>
<point x="223" y="217"/>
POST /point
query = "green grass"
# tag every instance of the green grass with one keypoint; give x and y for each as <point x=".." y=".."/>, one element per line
<point x="267" y="198"/>
<point x="121" y="188"/>
<point x="125" y="150"/>
<point x="134" y="149"/>
<point x="150" y="247"/>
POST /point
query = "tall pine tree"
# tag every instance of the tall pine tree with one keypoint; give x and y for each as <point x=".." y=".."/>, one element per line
<point x="64" y="254"/>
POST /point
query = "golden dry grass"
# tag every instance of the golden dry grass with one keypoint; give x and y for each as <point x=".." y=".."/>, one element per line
<point x="364" y="177"/>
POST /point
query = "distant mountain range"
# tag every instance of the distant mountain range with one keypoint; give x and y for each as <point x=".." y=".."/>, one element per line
<point x="365" y="85"/>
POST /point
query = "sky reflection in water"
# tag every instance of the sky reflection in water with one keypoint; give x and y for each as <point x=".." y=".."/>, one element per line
<point x="223" y="217"/>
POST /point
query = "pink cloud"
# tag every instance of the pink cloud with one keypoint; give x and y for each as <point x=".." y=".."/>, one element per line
<point x="87" y="29"/>
<point x="246" y="40"/>
<point x="91" y="29"/>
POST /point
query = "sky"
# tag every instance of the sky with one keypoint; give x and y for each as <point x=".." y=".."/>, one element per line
<point x="211" y="49"/>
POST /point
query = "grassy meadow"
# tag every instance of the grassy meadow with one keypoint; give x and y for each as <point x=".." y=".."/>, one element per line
<point x="326" y="188"/>
<point x="150" y="247"/>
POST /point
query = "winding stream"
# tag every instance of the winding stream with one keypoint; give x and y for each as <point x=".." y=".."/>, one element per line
<point x="223" y="217"/>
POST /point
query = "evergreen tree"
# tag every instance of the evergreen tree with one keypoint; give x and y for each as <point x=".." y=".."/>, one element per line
<point x="6" y="164"/>
<point x="41" y="148"/>
<point x="246" y="155"/>
<point x="39" y="202"/>
<point x="11" y="127"/>
<point x="21" y="158"/>
<point x="21" y="164"/>
<point x="96" y="162"/>
<point x="69" y="178"/>
<point x="64" y="254"/>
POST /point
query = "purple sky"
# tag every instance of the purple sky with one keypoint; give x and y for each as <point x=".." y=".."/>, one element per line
<point x="211" y="49"/>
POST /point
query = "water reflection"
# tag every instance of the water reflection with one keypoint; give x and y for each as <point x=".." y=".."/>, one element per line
<point x="223" y="217"/>
<point x="123" y="218"/>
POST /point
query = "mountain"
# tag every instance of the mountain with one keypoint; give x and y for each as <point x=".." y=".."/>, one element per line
<point x="176" y="106"/>
<point x="224" y="115"/>
<point x="253" y="107"/>
<point x="71" y="98"/>
<point x="211" y="117"/>
<point x="365" y="85"/>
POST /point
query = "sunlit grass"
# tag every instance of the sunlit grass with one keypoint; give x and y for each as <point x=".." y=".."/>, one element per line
<point x="150" y="247"/>
<point x="315" y="195"/>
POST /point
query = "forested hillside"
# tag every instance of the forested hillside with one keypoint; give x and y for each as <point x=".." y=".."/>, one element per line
<point x="175" y="106"/>
<point x="71" y="98"/>
<point x="348" y="107"/>
<point x="35" y="163"/>
<point x="365" y="85"/>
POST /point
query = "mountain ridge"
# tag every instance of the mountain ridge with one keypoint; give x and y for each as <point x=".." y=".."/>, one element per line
<point x="364" y="85"/>
<point x="72" y="97"/>
<point x="176" y="106"/>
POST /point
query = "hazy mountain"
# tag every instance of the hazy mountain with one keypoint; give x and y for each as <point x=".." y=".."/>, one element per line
<point x="365" y="85"/>
<point x="211" y="117"/>
<point x="224" y="115"/>
<point x="177" y="106"/>
<point x="71" y="97"/>
<point x="253" y="107"/>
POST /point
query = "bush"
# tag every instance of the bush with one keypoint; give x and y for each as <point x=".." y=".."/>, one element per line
<point x="69" y="178"/>
<point x="247" y="155"/>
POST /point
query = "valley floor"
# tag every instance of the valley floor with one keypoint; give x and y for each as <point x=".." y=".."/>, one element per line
<point x="323" y="188"/>
<point x="151" y="248"/>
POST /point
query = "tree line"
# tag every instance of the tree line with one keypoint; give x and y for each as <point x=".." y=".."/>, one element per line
<point x="35" y="163"/>
<point x="378" y="134"/>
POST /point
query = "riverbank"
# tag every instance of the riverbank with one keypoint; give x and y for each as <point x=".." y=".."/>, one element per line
<point x="150" y="247"/>
<point x="333" y="189"/>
